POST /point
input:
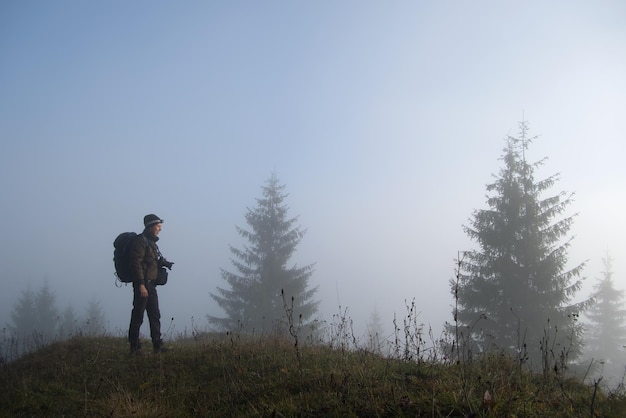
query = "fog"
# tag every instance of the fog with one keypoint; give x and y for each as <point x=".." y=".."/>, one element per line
<point x="385" y="121"/>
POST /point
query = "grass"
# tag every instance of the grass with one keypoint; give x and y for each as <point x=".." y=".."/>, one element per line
<point x="246" y="376"/>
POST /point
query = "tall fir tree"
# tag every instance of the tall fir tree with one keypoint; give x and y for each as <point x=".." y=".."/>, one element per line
<point x="264" y="294"/>
<point x="515" y="292"/>
<point x="606" y="336"/>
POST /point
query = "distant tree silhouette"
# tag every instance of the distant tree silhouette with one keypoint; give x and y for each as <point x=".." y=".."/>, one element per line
<point x="95" y="321"/>
<point x="264" y="293"/>
<point x="606" y="336"/>
<point x="24" y="314"/>
<point x="514" y="293"/>
<point x="35" y="314"/>
<point x="68" y="323"/>
<point x="375" y="330"/>
<point x="47" y="311"/>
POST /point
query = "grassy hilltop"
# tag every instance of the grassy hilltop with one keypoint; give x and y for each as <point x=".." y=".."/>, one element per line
<point x="231" y="375"/>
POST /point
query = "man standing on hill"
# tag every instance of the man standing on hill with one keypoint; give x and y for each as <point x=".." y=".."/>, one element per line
<point x="145" y="262"/>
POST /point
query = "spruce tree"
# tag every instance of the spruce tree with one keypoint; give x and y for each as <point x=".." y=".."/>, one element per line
<point x="374" y="332"/>
<point x="514" y="293"/>
<point x="35" y="314"/>
<point x="34" y="318"/>
<point x="264" y="293"/>
<point x="68" y="324"/>
<point x="24" y="315"/>
<point x="47" y="311"/>
<point x="95" y="321"/>
<point x="606" y="337"/>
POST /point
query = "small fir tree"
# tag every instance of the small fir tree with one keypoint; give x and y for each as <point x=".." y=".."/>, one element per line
<point x="606" y="337"/>
<point x="35" y="315"/>
<point x="95" y="322"/>
<point x="514" y="293"/>
<point x="47" y="311"/>
<point x="264" y="293"/>
<point x="68" y="323"/>
<point x="374" y="330"/>
<point x="24" y="314"/>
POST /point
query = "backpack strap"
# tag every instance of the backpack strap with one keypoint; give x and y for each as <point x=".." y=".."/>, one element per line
<point x="147" y="246"/>
<point x="154" y="247"/>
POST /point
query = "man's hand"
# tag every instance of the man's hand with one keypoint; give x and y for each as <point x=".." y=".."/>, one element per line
<point x="164" y="263"/>
<point x="143" y="291"/>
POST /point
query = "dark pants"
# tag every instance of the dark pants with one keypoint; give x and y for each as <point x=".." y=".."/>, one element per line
<point x="141" y="305"/>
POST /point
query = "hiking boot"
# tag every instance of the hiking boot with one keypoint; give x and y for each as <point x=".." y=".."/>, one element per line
<point x="135" y="349"/>
<point x="161" y="349"/>
<point x="158" y="347"/>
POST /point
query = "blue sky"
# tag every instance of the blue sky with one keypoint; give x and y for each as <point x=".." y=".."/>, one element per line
<point x="385" y="120"/>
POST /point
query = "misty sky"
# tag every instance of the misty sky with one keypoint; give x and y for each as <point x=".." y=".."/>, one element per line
<point x="385" y="121"/>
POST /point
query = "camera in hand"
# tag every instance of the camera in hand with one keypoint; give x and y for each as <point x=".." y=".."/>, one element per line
<point x="164" y="263"/>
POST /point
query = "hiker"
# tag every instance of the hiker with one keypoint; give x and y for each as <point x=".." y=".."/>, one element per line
<point x="145" y="263"/>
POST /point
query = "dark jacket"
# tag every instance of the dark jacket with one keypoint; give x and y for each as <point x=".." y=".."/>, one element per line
<point x="144" y="258"/>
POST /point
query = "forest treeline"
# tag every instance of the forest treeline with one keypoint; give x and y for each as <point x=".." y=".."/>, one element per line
<point x="514" y="293"/>
<point x="36" y="320"/>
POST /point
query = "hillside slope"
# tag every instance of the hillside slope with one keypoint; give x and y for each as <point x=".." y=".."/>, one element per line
<point x="230" y="376"/>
